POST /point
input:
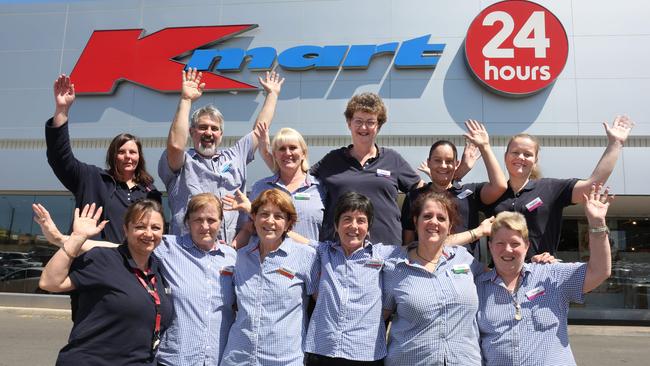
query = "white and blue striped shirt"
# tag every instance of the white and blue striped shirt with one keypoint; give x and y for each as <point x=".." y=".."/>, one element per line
<point x="435" y="313"/>
<point x="540" y="337"/>
<point x="203" y="295"/>
<point x="271" y="303"/>
<point x="347" y="321"/>
<point x="308" y="200"/>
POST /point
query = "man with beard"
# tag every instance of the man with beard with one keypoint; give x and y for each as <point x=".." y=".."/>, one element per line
<point x="204" y="168"/>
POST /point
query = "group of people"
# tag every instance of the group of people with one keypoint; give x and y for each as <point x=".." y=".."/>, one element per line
<point x="230" y="283"/>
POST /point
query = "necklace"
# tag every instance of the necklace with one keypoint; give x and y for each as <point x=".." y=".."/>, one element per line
<point x="434" y="262"/>
<point x="513" y="296"/>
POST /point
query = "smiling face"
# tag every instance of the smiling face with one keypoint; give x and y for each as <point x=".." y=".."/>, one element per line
<point x="127" y="158"/>
<point x="206" y="135"/>
<point x="271" y="223"/>
<point x="443" y="164"/>
<point x="364" y="128"/>
<point x="433" y="223"/>
<point x="204" y="226"/>
<point x="289" y="156"/>
<point x="144" y="234"/>
<point x="508" y="249"/>
<point x="352" y="229"/>
<point x="521" y="157"/>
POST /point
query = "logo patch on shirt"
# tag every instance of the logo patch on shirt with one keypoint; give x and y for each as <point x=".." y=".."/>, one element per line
<point x="534" y="204"/>
<point x="302" y="196"/>
<point x="383" y="173"/>
<point x="374" y="262"/>
<point x="464" y="194"/>
<point x="535" y="293"/>
<point x="460" y="268"/>
<point x="286" y="272"/>
<point x="227" y="270"/>
<point x="226" y="168"/>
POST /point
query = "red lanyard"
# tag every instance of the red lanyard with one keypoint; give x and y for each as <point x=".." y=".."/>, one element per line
<point x="150" y="286"/>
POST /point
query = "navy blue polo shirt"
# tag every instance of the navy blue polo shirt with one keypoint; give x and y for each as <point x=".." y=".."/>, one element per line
<point x="379" y="179"/>
<point x="541" y="201"/>
<point x="468" y="203"/>
<point x="115" y="319"/>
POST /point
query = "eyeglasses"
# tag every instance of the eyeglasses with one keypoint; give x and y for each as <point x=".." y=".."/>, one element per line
<point x="370" y="123"/>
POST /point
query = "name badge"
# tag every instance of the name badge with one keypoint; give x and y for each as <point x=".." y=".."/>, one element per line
<point x="460" y="268"/>
<point x="226" y="168"/>
<point x="535" y="293"/>
<point x="286" y="272"/>
<point x="302" y="196"/>
<point x="375" y="262"/>
<point x="227" y="270"/>
<point x="534" y="204"/>
<point x="464" y="194"/>
<point x="383" y="173"/>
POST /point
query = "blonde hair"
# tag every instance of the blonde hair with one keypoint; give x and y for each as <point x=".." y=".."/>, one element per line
<point x="289" y="135"/>
<point x="510" y="220"/>
<point x="536" y="172"/>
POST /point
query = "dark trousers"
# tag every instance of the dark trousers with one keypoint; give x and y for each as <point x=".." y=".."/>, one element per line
<point x="320" y="360"/>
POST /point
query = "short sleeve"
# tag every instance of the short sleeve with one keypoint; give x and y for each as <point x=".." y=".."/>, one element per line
<point x="388" y="298"/>
<point x="570" y="279"/>
<point x="314" y="170"/>
<point x="313" y="272"/>
<point x="165" y="246"/>
<point x="407" y="178"/>
<point x="92" y="268"/>
<point x="165" y="172"/>
<point x="244" y="148"/>
<point x="564" y="187"/>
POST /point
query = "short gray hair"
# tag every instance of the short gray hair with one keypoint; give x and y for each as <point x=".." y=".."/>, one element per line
<point x="211" y="111"/>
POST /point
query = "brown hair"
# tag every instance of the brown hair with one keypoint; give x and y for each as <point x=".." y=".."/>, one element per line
<point x="139" y="209"/>
<point x="444" y="199"/>
<point x="281" y="200"/>
<point x="369" y="103"/>
<point x="443" y="143"/>
<point x="510" y="220"/>
<point x="200" y="201"/>
<point x="141" y="174"/>
<point x="535" y="173"/>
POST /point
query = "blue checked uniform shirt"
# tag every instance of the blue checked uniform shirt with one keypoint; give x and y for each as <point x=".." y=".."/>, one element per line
<point x="271" y="305"/>
<point x="308" y="201"/>
<point x="203" y="295"/>
<point x="540" y="337"/>
<point x="435" y="313"/>
<point x="347" y="321"/>
<point x="222" y="174"/>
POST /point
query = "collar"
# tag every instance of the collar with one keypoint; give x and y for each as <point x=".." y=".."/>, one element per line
<point x="448" y="253"/>
<point x="124" y="251"/>
<point x="254" y="245"/>
<point x="346" y="151"/>
<point x="275" y="180"/>
<point x="367" y="246"/>
<point x="492" y="275"/>
<point x="187" y="243"/>
<point x="194" y="154"/>
<point x="532" y="183"/>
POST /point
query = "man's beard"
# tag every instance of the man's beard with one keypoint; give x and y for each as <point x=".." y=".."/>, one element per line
<point x="207" y="151"/>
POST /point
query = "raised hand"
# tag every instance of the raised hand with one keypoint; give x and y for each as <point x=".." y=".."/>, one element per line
<point x="544" y="258"/>
<point x="63" y="93"/>
<point x="620" y="129"/>
<point x="48" y="227"/>
<point x="596" y="205"/>
<point x="192" y="87"/>
<point x="485" y="228"/>
<point x="424" y="168"/>
<point x="476" y="133"/>
<point x="85" y="222"/>
<point x="272" y="83"/>
<point x="238" y="202"/>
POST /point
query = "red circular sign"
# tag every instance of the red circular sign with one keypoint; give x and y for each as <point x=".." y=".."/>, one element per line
<point x="516" y="48"/>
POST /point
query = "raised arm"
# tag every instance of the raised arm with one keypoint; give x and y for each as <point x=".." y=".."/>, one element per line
<point x="272" y="85"/>
<point x="63" y="98"/>
<point x="616" y="137"/>
<point x="55" y="276"/>
<point x="497" y="184"/>
<point x="191" y="90"/>
<point x="471" y="154"/>
<point x="54" y="236"/>
<point x="472" y="235"/>
<point x="599" y="267"/>
<point x="262" y="133"/>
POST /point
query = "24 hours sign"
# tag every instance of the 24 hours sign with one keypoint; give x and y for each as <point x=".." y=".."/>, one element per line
<point x="516" y="48"/>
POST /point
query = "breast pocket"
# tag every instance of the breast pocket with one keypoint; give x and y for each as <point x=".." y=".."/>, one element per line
<point x="462" y="288"/>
